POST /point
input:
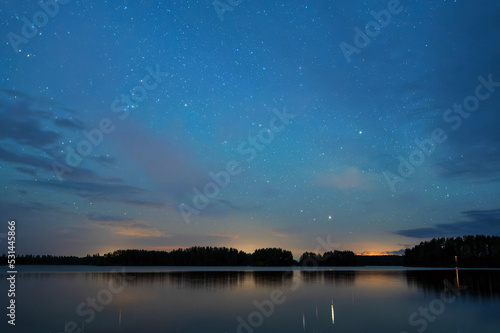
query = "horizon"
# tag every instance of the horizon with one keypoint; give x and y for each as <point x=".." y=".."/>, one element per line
<point x="367" y="253"/>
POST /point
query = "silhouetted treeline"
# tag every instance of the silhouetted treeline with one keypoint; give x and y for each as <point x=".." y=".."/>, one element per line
<point x="471" y="251"/>
<point x="272" y="257"/>
<point x="194" y="256"/>
<point x="30" y="259"/>
<point x="210" y="256"/>
<point x="207" y="256"/>
<point x="335" y="258"/>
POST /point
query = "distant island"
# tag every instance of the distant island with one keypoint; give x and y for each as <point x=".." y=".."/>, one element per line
<point x="466" y="251"/>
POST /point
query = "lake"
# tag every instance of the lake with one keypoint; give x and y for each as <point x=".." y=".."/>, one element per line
<point x="235" y="299"/>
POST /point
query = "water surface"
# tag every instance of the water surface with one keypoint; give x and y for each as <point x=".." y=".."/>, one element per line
<point x="187" y="299"/>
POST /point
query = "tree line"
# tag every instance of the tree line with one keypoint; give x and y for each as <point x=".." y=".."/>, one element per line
<point x="470" y="251"/>
<point x="335" y="258"/>
<point x="210" y="256"/>
<point x="193" y="256"/>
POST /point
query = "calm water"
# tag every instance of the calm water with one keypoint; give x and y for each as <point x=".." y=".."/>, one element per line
<point x="172" y="300"/>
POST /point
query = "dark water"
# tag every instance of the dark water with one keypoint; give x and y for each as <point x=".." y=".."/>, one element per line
<point x="363" y="300"/>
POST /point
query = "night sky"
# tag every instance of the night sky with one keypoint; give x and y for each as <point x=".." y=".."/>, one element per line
<point x="373" y="125"/>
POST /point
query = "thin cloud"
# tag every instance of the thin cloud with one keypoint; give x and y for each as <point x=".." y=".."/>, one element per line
<point x="138" y="232"/>
<point x="279" y="234"/>
<point x="349" y="178"/>
<point x="485" y="222"/>
<point x="125" y="226"/>
<point x="169" y="161"/>
<point x="69" y="124"/>
<point x="106" y="218"/>
<point x="223" y="236"/>
<point x="104" y="192"/>
<point x="28" y="171"/>
<point x="29" y="125"/>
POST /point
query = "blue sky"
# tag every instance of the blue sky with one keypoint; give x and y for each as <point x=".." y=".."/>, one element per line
<point x="373" y="124"/>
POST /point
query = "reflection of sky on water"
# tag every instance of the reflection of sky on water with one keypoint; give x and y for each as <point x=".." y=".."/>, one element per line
<point x="314" y="301"/>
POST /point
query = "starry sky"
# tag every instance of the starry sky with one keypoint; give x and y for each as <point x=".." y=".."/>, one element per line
<point x="365" y="125"/>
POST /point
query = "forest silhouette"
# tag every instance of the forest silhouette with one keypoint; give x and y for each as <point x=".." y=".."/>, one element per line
<point x="466" y="251"/>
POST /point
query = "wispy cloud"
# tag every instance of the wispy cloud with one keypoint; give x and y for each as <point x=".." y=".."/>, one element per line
<point x="125" y="226"/>
<point x="138" y="232"/>
<point x="32" y="132"/>
<point x="169" y="160"/>
<point x="485" y="222"/>
<point x="69" y="124"/>
<point x="28" y="171"/>
<point x="349" y="178"/>
<point x="477" y="159"/>
<point x="381" y="253"/>
<point x="107" y="218"/>
<point x="104" y="192"/>
<point x="223" y="236"/>
<point x="279" y="234"/>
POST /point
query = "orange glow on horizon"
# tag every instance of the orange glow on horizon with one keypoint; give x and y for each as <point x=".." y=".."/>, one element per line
<point x="373" y="253"/>
<point x="249" y="245"/>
